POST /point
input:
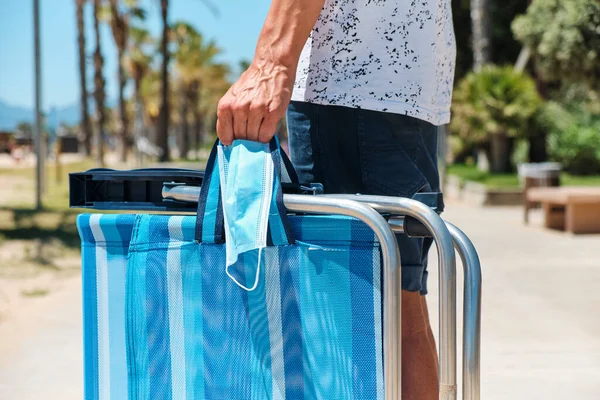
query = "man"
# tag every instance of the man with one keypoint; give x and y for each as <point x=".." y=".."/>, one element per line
<point x="364" y="83"/>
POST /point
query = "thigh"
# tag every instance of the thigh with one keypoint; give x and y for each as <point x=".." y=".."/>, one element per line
<point x="324" y="146"/>
<point x="358" y="151"/>
<point x="398" y="154"/>
<point x="351" y="150"/>
<point x="300" y="127"/>
<point x="399" y="158"/>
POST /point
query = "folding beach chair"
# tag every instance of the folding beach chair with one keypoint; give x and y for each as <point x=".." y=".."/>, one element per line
<point x="163" y="320"/>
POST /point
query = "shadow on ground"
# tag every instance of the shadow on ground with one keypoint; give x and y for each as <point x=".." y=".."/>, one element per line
<point x="41" y="237"/>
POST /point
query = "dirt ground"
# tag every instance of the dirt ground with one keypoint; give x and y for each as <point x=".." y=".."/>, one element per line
<point x="36" y="255"/>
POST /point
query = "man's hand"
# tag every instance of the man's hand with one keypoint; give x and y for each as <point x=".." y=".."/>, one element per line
<point x="253" y="106"/>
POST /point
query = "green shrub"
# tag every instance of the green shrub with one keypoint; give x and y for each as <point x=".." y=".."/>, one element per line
<point x="491" y="108"/>
<point x="564" y="37"/>
<point x="495" y="100"/>
<point x="574" y="138"/>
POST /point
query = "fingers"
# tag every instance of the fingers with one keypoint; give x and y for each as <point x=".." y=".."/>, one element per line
<point x="225" y="131"/>
<point x="270" y="121"/>
<point x="268" y="128"/>
<point x="246" y="121"/>
<point x="254" y="105"/>
<point x="225" y="121"/>
<point x="256" y="114"/>
<point x="240" y="123"/>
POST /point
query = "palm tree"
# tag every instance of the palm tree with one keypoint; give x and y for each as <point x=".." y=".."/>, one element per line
<point x="491" y="109"/>
<point x="137" y="61"/>
<point x="186" y="38"/>
<point x="85" y="125"/>
<point x="214" y="86"/>
<point x="481" y="27"/>
<point x="196" y="72"/>
<point x="119" y="22"/>
<point x="150" y="94"/>
<point x="162" y="137"/>
<point x="99" y="86"/>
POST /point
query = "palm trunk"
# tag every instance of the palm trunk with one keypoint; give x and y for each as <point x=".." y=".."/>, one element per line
<point x="500" y="153"/>
<point x="184" y="132"/>
<point x="120" y="27"/>
<point x="162" y="139"/>
<point x="124" y="133"/>
<point x="138" y="102"/>
<point x="481" y="27"/>
<point x="99" y="93"/>
<point x="198" y="130"/>
<point x="85" y="126"/>
<point x="138" y="120"/>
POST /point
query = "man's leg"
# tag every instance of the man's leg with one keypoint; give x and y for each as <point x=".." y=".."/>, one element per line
<point x="419" y="355"/>
<point x="430" y="336"/>
<point x="358" y="151"/>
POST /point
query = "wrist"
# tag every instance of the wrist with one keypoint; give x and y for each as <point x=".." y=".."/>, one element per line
<point x="269" y="63"/>
<point x="276" y="54"/>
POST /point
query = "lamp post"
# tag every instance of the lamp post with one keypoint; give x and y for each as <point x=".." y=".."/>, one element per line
<point x="39" y="147"/>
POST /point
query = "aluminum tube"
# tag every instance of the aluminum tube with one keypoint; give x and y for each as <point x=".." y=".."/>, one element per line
<point x="471" y="355"/>
<point x="447" y="270"/>
<point x="471" y="313"/>
<point x="392" y="305"/>
<point x="447" y="276"/>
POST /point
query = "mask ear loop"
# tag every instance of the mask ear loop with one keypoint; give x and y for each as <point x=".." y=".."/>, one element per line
<point x="256" y="278"/>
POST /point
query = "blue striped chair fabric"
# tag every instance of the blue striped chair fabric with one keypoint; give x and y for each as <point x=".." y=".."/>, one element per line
<point x="163" y="321"/>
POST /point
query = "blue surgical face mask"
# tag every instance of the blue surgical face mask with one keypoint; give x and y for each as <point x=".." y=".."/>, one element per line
<point x="247" y="173"/>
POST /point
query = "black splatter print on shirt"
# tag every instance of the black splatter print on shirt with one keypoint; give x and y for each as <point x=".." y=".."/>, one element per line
<point x="385" y="55"/>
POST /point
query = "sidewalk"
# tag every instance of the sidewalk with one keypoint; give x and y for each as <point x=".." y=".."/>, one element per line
<point x="541" y="330"/>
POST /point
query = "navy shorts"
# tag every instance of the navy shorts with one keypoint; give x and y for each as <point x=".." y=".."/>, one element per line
<point x="351" y="150"/>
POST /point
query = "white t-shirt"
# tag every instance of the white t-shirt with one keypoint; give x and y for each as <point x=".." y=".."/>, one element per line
<point x="396" y="56"/>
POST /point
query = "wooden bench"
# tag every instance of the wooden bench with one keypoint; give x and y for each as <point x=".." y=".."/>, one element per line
<point x="574" y="209"/>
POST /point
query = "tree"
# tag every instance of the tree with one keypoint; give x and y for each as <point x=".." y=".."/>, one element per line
<point x="215" y="86"/>
<point x="480" y="20"/>
<point x="25" y="129"/>
<point x="195" y="65"/>
<point x="99" y="86"/>
<point x="150" y="93"/>
<point x="491" y="108"/>
<point x="244" y="65"/>
<point x="85" y="125"/>
<point x="162" y="135"/>
<point x="120" y="17"/>
<point x="573" y="136"/>
<point x="138" y="59"/>
<point x="505" y="47"/>
<point x="137" y="62"/>
<point x="567" y="50"/>
<point x="164" y="114"/>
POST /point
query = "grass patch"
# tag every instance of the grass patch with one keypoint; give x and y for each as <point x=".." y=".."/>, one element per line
<point x="21" y="196"/>
<point x="496" y="181"/>
<point x="43" y="236"/>
<point x="572" y="180"/>
<point x="511" y="181"/>
<point x="50" y="170"/>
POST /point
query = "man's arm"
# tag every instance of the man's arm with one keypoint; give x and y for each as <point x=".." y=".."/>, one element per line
<point x="254" y="104"/>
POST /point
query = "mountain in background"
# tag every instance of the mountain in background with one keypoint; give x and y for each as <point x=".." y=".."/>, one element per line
<point x="11" y="116"/>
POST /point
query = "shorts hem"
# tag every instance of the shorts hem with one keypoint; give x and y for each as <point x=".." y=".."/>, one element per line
<point x="414" y="278"/>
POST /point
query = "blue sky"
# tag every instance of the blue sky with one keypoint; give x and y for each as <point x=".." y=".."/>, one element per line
<point x="236" y="31"/>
